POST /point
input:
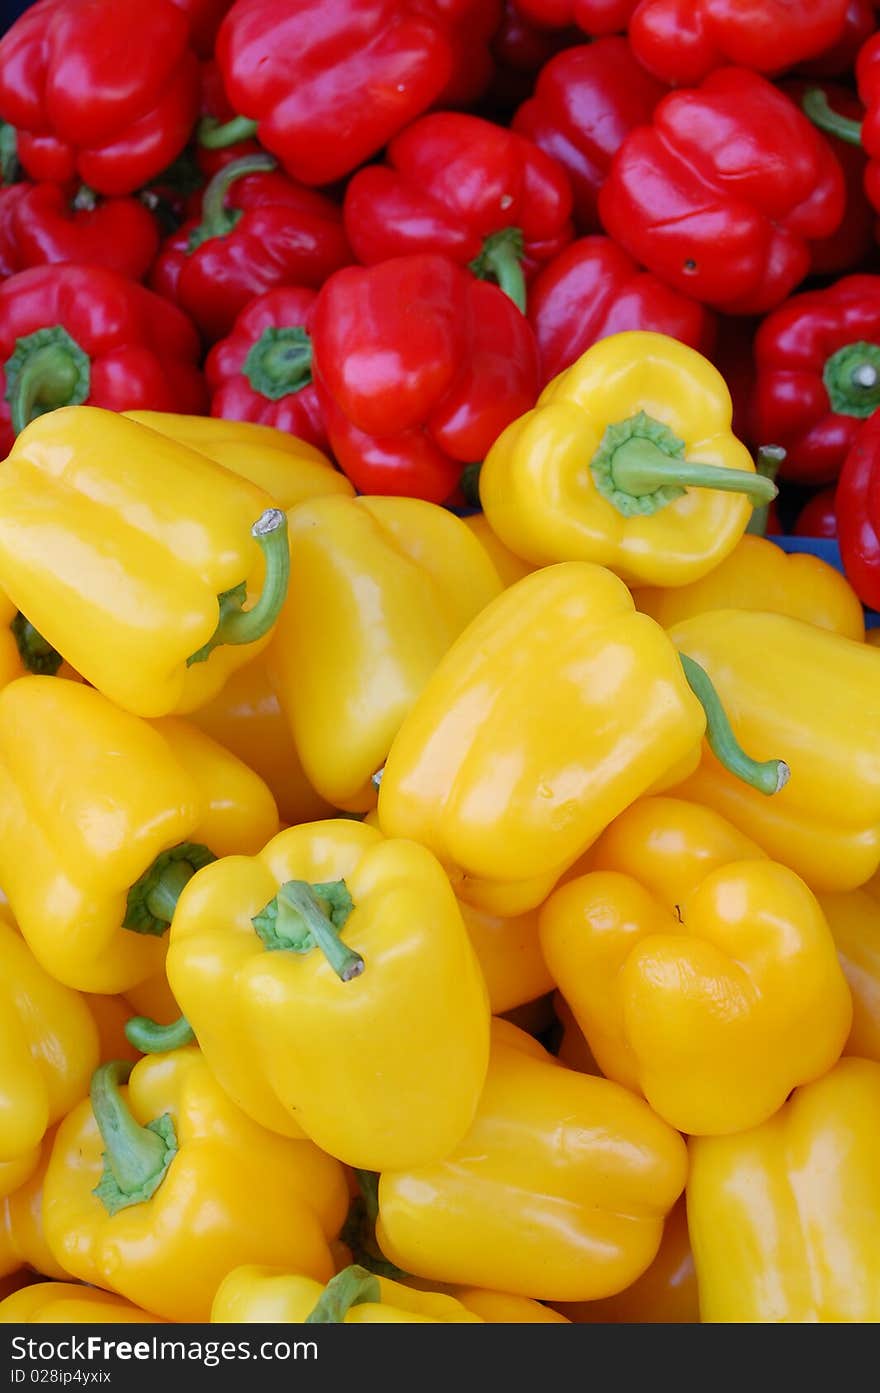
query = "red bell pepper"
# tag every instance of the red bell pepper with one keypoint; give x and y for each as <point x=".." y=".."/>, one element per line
<point x="683" y="41"/>
<point x="473" y="64"/>
<point x="458" y="185"/>
<point x="72" y="334"/>
<point x="263" y="371"/>
<point x="258" y="229"/>
<point x="592" y="16"/>
<point x="593" y="289"/>
<point x="47" y="225"/>
<point x="419" y="367"/>
<point x="723" y="194"/>
<point x="859" y="25"/>
<point x="586" y="101"/>
<point x="818" y="517"/>
<point x="205" y="18"/>
<point x="850" y="246"/>
<point x="865" y="133"/>
<point x="858" y="515"/>
<point x="10" y="196"/>
<point x="106" y="92"/>
<point x="817" y="360"/>
<point x="327" y="86"/>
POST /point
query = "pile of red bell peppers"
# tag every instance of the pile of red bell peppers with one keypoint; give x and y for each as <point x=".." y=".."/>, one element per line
<point x="384" y="225"/>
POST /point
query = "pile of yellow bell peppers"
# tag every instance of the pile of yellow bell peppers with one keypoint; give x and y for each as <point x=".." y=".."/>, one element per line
<point x="421" y="918"/>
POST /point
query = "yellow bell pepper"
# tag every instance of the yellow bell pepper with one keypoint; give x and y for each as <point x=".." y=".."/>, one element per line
<point x="153" y="997"/>
<point x="627" y="460"/>
<point x="157" y="1192"/>
<point x="23" y="1241"/>
<point x="558" y="1191"/>
<point x="510" y="568"/>
<point x="103" y="817"/>
<point x="289" y="470"/>
<point x="782" y="679"/>
<point x="67" y="1303"/>
<point x="498" y="1308"/>
<point x="715" y="1012"/>
<point x="573" y="1050"/>
<point x="132" y="556"/>
<point x="23" y="650"/>
<point x="556" y="708"/>
<point x="760" y="575"/>
<point x="854" y="920"/>
<point x="326" y="980"/>
<point x="246" y="718"/>
<point x="48" y="1052"/>
<point x="111" y="1015"/>
<point x="262" y="1295"/>
<point x="785" y="1219"/>
<point x="509" y="954"/>
<point x="664" y="1295"/>
<point x="379" y="588"/>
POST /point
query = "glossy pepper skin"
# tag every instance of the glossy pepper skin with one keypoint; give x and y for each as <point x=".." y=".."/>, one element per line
<point x="262" y="370"/>
<point x="593" y="290"/>
<point x="90" y="101"/>
<point x="666" y="1294"/>
<point x="91" y="797"/>
<point x="510" y="957"/>
<point x="49" y="225"/>
<point x="246" y="718"/>
<point x="515" y="757"/>
<point x="225" y="1192"/>
<point x="510" y="568"/>
<point x="287" y="469"/>
<point x="70" y="1303"/>
<point x="586" y="100"/>
<point x="782" y="679"/>
<point x="48" y="1052"/>
<point x="713" y="1012"/>
<point x="468" y="189"/>
<point x="857" y="513"/>
<point x="758" y="575"/>
<point x="721" y="196"/>
<point x="784" y="1218"/>
<point x="337" y="1041"/>
<point x="683" y="41"/>
<point x="851" y="246"/>
<point x="132" y="554"/>
<point x="71" y="334"/>
<point x="818" y="517"/>
<point x="23" y="1241"/>
<point x="852" y="918"/>
<point x="557" y="485"/>
<point x="419" y="368"/>
<point x="597" y="1186"/>
<point x="261" y="1295"/>
<point x="818" y="376"/>
<point x="359" y="73"/>
<point x="257" y="229"/>
<point x="380" y="588"/>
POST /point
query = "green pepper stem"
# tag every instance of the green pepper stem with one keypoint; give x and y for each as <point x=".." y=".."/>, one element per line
<point x="136" y="1156"/>
<point x="298" y="905"/>
<point x="353" y="1286"/>
<point x="816" y="106"/>
<point x="639" y="467"/>
<point x="162" y="896"/>
<point x="48" y="369"/>
<point x="153" y="898"/>
<point x="767" y="777"/>
<point x="216" y="136"/>
<point x="246" y="626"/>
<point x="151" y="1038"/>
<point x="769" y="461"/>
<point x="217" y="219"/>
<point x="35" y="652"/>
<point x="10" y="170"/>
<point x="280" y="362"/>
<point x="501" y="260"/>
